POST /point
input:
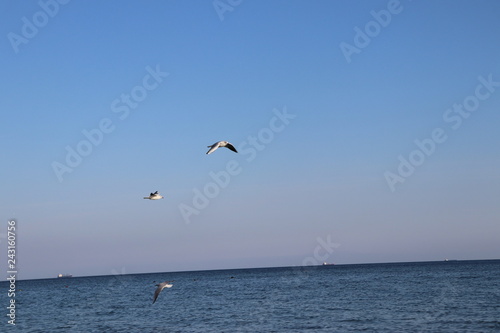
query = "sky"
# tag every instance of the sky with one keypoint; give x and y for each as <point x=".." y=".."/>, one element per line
<point x="367" y="132"/>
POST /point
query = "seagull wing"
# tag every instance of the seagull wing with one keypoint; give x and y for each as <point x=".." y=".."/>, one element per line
<point x="230" y="146"/>
<point x="213" y="148"/>
<point x="157" y="292"/>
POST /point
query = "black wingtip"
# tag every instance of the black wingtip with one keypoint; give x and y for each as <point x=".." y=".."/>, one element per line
<point x="230" y="147"/>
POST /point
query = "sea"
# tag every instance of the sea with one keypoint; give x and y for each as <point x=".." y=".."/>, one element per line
<point x="447" y="296"/>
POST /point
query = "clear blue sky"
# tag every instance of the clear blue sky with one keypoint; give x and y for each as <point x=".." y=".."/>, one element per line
<point x="335" y="171"/>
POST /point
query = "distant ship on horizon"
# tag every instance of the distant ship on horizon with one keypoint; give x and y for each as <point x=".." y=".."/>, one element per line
<point x="59" y="276"/>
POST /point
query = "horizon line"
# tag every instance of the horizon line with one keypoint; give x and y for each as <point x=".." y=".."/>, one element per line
<point x="270" y="267"/>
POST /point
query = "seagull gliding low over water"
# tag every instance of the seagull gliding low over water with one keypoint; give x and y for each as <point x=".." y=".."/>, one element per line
<point x="161" y="286"/>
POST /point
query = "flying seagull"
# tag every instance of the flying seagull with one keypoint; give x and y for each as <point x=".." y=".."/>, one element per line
<point x="221" y="144"/>
<point x="161" y="286"/>
<point x="154" y="196"/>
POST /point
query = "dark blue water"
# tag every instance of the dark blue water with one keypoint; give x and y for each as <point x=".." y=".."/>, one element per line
<point x="461" y="296"/>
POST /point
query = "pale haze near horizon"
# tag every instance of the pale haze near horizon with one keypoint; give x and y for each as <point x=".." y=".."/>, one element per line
<point x="327" y="120"/>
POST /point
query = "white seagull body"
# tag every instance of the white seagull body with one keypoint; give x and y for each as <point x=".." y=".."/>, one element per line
<point x="221" y="144"/>
<point x="161" y="286"/>
<point x="154" y="196"/>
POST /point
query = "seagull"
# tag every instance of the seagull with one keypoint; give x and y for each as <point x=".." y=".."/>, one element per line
<point x="154" y="196"/>
<point x="221" y="144"/>
<point x="161" y="286"/>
